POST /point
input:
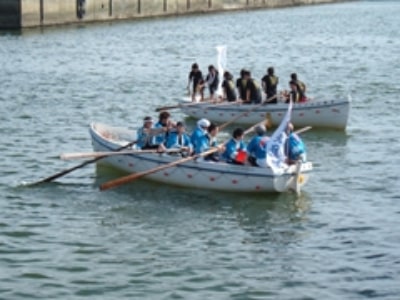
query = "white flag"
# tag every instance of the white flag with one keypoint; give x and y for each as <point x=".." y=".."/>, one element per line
<point x="221" y="66"/>
<point x="276" y="145"/>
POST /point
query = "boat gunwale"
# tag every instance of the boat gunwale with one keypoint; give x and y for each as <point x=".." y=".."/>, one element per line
<point x="255" y="171"/>
<point x="269" y="107"/>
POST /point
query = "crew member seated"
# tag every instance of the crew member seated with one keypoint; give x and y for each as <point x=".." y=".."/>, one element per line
<point x="179" y="139"/>
<point x="199" y="138"/>
<point x="257" y="147"/>
<point x="235" y="149"/>
<point x="212" y="132"/>
<point x="145" y="136"/>
<point x="294" y="147"/>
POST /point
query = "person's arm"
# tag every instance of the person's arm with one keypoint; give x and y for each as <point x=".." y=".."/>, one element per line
<point x="264" y="84"/>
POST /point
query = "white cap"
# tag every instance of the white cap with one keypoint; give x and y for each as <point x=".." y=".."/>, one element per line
<point x="203" y="123"/>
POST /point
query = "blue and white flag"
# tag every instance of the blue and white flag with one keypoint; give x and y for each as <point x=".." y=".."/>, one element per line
<point x="276" y="155"/>
<point x="221" y="66"/>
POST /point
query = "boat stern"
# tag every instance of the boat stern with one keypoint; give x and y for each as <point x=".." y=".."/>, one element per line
<point x="294" y="178"/>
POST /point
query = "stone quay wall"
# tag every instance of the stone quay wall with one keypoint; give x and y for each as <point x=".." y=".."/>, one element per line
<point x="33" y="13"/>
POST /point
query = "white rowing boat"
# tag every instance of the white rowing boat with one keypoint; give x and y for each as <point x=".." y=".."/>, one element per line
<point x="196" y="174"/>
<point x="318" y="114"/>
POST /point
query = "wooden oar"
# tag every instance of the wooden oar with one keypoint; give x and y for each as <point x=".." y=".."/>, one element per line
<point x="182" y="105"/>
<point x="67" y="171"/>
<point x="134" y="176"/>
<point x="80" y="155"/>
<point x="301" y="130"/>
<point x="129" y="178"/>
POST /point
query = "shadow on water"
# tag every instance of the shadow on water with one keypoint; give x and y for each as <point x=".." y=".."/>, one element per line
<point x="248" y="207"/>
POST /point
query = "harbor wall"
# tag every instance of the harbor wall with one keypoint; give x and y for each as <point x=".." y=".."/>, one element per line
<point x="32" y="13"/>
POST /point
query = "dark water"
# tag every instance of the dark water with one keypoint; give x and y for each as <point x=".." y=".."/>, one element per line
<point x="68" y="240"/>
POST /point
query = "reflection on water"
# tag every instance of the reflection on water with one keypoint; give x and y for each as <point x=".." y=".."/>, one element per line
<point x="248" y="209"/>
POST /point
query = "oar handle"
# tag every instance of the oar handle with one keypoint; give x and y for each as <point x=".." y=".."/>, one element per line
<point x="301" y="130"/>
<point x="67" y="171"/>
<point x="80" y="155"/>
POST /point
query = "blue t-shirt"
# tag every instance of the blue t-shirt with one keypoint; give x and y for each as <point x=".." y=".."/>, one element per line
<point x="257" y="147"/>
<point x="295" y="146"/>
<point x="176" y="141"/>
<point x="199" y="140"/>
<point x="161" y="137"/>
<point x="232" y="148"/>
<point x="144" y="139"/>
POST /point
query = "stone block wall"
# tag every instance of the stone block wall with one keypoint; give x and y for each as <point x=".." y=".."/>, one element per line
<point x="28" y="13"/>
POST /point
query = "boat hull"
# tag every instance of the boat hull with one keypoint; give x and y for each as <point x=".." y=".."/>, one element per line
<point x="319" y="114"/>
<point x="197" y="174"/>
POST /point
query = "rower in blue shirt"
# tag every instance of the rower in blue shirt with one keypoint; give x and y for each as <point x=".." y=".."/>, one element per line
<point x="145" y="139"/>
<point x="294" y="147"/>
<point x="199" y="137"/>
<point x="179" y="139"/>
<point x="235" y="149"/>
<point x="257" y="147"/>
<point x="163" y="125"/>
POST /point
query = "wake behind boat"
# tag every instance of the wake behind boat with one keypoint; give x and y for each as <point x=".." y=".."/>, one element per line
<point x="197" y="174"/>
<point x="318" y="114"/>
